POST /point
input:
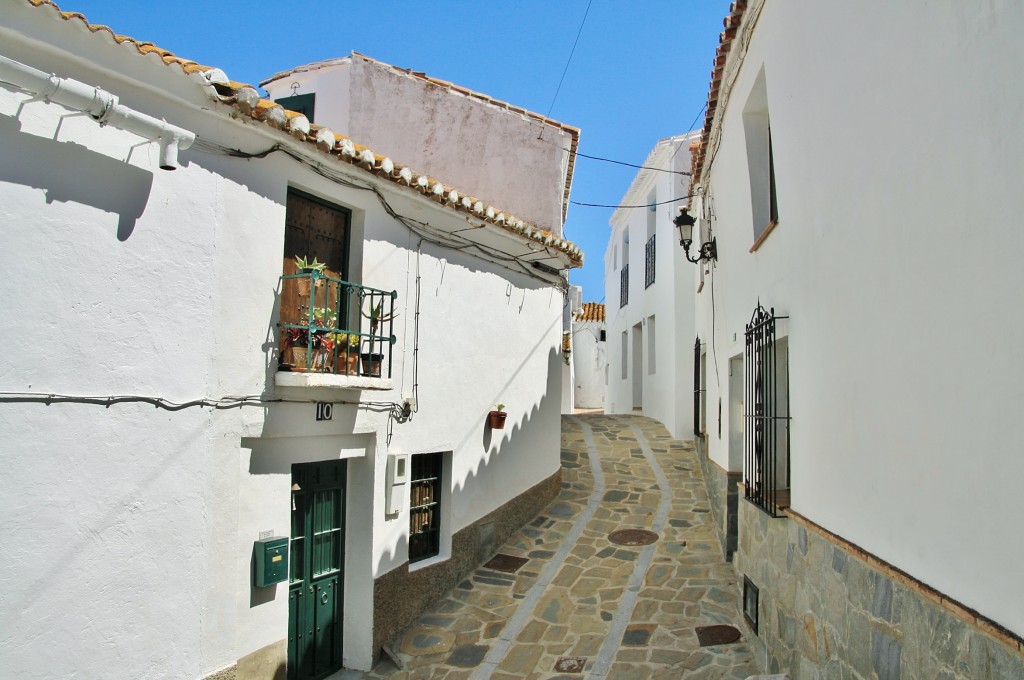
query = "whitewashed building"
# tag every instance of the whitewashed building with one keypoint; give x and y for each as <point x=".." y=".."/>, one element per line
<point x="590" y="356"/>
<point x="858" y="330"/>
<point x="648" y="294"/>
<point x="185" y="493"/>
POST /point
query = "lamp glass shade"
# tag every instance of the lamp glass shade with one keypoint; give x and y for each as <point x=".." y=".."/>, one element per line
<point x="686" y="232"/>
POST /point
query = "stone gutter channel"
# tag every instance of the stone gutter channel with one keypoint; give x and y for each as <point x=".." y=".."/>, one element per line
<point x="522" y="616"/>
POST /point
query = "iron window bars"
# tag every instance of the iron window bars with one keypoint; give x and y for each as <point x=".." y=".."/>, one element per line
<point x="424" y="506"/>
<point x="698" y="393"/>
<point x="624" y="286"/>
<point x="761" y="473"/>
<point x="649" y="262"/>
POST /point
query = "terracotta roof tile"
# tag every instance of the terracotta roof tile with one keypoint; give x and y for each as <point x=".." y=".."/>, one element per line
<point x="731" y="22"/>
<point x="592" y="311"/>
<point x="246" y="100"/>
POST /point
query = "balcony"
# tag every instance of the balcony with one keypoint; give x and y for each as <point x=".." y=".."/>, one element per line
<point x="334" y="333"/>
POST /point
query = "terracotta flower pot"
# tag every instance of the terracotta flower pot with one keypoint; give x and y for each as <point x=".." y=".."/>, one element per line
<point x="496" y="420"/>
<point x="371" y="364"/>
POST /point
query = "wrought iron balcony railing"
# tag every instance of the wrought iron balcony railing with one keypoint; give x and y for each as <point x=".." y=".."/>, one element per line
<point x="334" y="326"/>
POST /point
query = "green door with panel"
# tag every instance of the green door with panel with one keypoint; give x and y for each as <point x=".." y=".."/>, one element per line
<point x="317" y="580"/>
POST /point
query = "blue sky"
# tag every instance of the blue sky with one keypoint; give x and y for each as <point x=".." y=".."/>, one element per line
<point x="640" y="71"/>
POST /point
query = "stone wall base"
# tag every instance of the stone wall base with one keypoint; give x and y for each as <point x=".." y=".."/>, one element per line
<point x="724" y="497"/>
<point x="401" y="596"/>
<point x="830" y="610"/>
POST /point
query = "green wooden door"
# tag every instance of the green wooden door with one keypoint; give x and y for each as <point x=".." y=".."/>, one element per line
<point x="315" y="596"/>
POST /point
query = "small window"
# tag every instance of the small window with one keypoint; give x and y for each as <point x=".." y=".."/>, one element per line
<point x="602" y="336"/>
<point x="750" y="598"/>
<point x="425" y="490"/>
<point x="652" y="213"/>
<point x="300" y="103"/>
<point x="760" y="161"/>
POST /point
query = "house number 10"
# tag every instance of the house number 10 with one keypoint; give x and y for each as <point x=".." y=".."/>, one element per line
<point x="324" y="411"/>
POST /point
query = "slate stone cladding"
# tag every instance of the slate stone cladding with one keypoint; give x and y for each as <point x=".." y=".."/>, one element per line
<point x="723" y="493"/>
<point x="400" y="596"/>
<point x="828" y="612"/>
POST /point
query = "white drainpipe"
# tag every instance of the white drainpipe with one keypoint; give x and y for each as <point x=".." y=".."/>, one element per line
<point x="101" y="105"/>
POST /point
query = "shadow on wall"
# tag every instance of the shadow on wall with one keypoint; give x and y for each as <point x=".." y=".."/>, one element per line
<point x="71" y="173"/>
<point x="402" y="596"/>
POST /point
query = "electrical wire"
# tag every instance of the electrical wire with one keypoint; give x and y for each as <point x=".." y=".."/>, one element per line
<point x="215" y="403"/>
<point x="569" y="61"/>
<point x="421" y="229"/>
<point x="634" y="165"/>
<point x="646" y="205"/>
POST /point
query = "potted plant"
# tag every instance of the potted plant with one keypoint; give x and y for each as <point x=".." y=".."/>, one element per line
<point x="347" y="347"/>
<point x="298" y="342"/>
<point x="496" y="418"/>
<point x="371" y="361"/>
<point x="303" y="266"/>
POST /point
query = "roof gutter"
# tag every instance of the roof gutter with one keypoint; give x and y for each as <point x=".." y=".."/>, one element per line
<point x="100" y="105"/>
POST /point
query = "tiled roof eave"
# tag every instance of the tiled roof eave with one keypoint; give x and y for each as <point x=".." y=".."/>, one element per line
<point x="727" y="38"/>
<point x="343" y="149"/>
<point x="246" y="100"/>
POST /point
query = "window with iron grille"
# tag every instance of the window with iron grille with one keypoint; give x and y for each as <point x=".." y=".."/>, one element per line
<point x="766" y="417"/>
<point x="425" y="506"/>
<point x="698" y="390"/>
<point x="649" y="262"/>
<point x="624" y="286"/>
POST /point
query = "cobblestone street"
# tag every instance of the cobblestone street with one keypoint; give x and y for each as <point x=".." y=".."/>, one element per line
<point x="574" y="604"/>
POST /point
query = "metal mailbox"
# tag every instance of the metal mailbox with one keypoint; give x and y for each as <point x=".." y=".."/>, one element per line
<point x="271" y="561"/>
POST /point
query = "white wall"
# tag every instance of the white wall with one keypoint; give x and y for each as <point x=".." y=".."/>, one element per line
<point x="493" y="154"/>
<point x="667" y="392"/>
<point x="136" y="524"/>
<point x="590" y="359"/>
<point x="895" y="257"/>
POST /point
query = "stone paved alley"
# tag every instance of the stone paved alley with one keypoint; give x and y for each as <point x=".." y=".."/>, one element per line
<point x="580" y="606"/>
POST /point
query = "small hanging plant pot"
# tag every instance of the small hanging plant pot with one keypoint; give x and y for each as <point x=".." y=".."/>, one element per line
<point x="496" y="418"/>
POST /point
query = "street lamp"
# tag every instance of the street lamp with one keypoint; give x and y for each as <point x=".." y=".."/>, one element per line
<point x="708" y="251"/>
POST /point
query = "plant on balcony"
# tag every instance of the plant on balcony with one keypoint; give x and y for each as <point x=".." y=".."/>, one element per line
<point x="347" y="346"/>
<point x="496" y="418"/>
<point x="316" y="338"/>
<point x="304" y="266"/>
<point x="371" y="361"/>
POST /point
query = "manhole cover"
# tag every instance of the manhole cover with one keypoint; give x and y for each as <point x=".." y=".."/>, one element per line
<point x="570" y="664"/>
<point x="506" y="563"/>
<point x="709" y="636"/>
<point x="632" y="537"/>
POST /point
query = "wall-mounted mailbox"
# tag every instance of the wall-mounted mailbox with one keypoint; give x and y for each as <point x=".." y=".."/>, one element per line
<point x="396" y="482"/>
<point x="271" y="561"/>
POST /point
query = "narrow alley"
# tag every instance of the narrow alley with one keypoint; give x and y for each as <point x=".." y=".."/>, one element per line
<point x="562" y="599"/>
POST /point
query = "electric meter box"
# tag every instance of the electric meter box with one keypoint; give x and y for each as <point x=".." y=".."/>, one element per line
<point x="271" y="561"/>
<point x="397" y="479"/>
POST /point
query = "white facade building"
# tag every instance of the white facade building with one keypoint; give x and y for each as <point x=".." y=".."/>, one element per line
<point x="648" y="294"/>
<point x="856" y="172"/>
<point x="590" y="355"/>
<point x="134" y="520"/>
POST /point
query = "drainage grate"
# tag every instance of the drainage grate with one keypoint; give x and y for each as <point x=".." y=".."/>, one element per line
<point x="570" y="664"/>
<point x="632" y="537"/>
<point x="708" y="636"/>
<point x="506" y="563"/>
